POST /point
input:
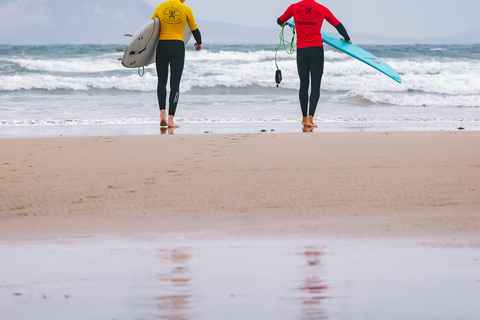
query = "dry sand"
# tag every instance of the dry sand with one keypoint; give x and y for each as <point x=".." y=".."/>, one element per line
<point x="368" y="185"/>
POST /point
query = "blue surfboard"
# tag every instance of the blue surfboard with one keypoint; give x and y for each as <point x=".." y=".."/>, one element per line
<point x="360" y="54"/>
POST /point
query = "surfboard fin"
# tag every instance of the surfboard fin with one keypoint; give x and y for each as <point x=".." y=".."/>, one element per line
<point x="142" y="72"/>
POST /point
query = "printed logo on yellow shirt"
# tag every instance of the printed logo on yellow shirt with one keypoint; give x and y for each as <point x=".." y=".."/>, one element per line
<point x="172" y="15"/>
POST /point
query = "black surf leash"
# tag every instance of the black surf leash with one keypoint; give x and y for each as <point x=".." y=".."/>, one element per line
<point x="291" y="50"/>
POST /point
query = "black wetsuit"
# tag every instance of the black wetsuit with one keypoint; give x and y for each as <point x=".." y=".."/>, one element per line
<point x="310" y="54"/>
<point x="310" y="63"/>
<point x="171" y="53"/>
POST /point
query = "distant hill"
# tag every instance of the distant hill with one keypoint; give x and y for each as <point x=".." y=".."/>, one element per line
<point x="106" y="22"/>
<point x="471" y="36"/>
<point x="101" y="22"/>
<point x="70" y="22"/>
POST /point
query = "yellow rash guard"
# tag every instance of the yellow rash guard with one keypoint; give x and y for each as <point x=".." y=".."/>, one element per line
<point x="174" y="15"/>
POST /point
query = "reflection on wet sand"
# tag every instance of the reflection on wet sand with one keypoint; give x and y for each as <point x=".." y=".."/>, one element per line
<point x="313" y="288"/>
<point x="165" y="130"/>
<point x="132" y="280"/>
<point x="308" y="129"/>
<point x="176" y="287"/>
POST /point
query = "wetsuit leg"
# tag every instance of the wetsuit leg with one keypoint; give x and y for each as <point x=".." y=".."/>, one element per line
<point x="176" y="69"/>
<point x="169" y="53"/>
<point x="303" y="68"/>
<point x="316" y="70"/>
<point x="310" y="63"/>
<point x="162" y="62"/>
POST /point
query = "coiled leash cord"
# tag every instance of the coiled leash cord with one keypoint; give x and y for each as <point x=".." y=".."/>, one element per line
<point x="291" y="50"/>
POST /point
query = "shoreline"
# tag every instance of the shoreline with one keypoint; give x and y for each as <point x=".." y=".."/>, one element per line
<point x="346" y="185"/>
<point x="78" y="130"/>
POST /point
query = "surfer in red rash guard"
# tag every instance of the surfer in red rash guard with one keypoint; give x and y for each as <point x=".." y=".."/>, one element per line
<point x="309" y="16"/>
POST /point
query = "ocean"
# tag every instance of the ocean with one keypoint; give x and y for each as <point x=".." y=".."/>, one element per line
<point x="65" y="90"/>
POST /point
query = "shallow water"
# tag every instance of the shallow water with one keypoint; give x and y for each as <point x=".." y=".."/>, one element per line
<point x="104" y="278"/>
<point x="225" y="128"/>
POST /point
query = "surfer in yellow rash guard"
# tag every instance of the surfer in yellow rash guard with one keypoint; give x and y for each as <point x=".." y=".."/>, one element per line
<point x="173" y="16"/>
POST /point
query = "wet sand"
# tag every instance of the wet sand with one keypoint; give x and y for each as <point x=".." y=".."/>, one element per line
<point x="119" y="278"/>
<point x="261" y="226"/>
<point x="347" y="185"/>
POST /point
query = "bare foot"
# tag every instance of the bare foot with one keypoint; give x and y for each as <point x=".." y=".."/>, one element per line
<point x="163" y="118"/>
<point x="172" y="124"/>
<point x="304" y="121"/>
<point x="310" y="122"/>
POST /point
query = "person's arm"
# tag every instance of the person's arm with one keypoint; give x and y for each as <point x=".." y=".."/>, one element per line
<point x="337" y="24"/>
<point x="341" y="29"/>
<point x="287" y="15"/>
<point x="198" y="38"/>
<point x="193" y="26"/>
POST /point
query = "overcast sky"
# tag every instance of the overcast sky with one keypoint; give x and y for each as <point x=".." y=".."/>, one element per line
<point x="395" y="18"/>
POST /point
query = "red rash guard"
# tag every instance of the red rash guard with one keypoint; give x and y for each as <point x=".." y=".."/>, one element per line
<point x="309" y="16"/>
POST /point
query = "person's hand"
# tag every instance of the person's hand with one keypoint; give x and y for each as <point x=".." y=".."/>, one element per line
<point x="349" y="41"/>
<point x="198" y="47"/>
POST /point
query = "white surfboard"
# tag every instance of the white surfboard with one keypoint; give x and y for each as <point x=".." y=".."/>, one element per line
<point x="187" y="34"/>
<point x="141" y="50"/>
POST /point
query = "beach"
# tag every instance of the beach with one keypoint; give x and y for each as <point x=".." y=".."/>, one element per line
<point x="239" y="214"/>
<point x="324" y="225"/>
<point x="373" y="184"/>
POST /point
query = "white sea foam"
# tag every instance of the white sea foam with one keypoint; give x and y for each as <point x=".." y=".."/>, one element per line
<point x="55" y="82"/>
<point x="229" y="56"/>
<point x="418" y="100"/>
<point x="68" y="65"/>
<point x="244" y="69"/>
<point x="460" y="79"/>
